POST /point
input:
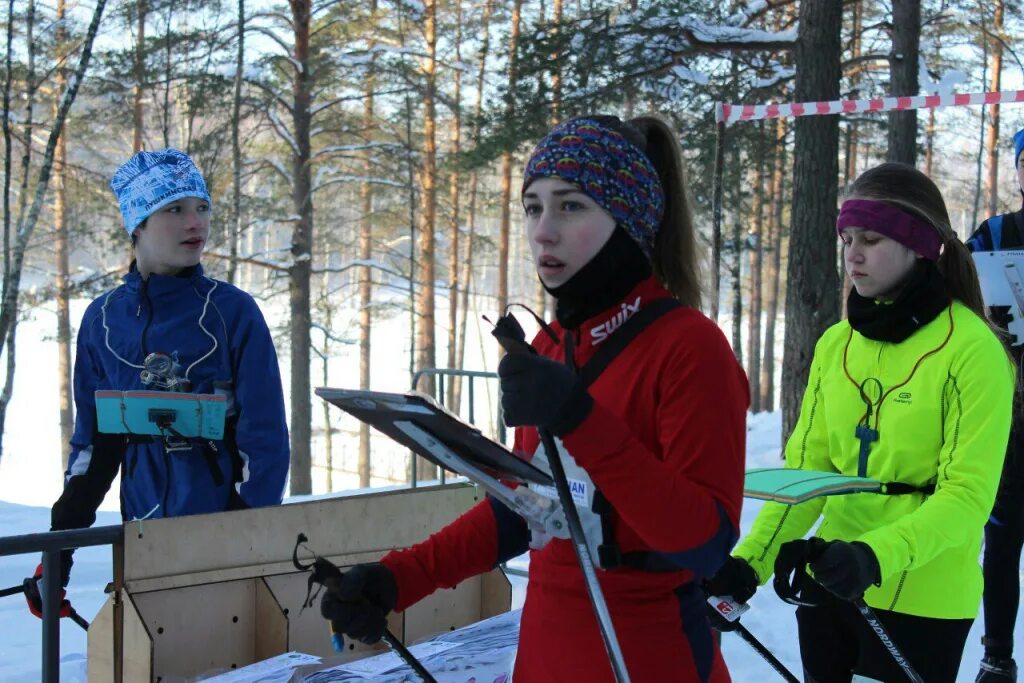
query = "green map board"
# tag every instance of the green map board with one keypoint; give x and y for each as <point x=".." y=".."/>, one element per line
<point x="792" y="486"/>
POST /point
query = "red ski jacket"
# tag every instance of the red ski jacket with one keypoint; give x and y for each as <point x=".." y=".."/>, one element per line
<point x="665" y="444"/>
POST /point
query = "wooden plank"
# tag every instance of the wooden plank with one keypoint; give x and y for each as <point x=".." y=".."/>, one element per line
<point x="250" y="539"/>
<point x="201" y="629"/>
<point x="138" y="646"/>
<point x="219" y="591"/>
<point x="495" y="594"/>
<point x="270" y="625"/>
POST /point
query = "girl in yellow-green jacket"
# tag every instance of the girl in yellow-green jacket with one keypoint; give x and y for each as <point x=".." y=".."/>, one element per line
<point x="913" y="389"/>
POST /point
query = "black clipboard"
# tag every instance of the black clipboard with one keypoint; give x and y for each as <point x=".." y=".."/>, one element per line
<point x="384" y="411"/>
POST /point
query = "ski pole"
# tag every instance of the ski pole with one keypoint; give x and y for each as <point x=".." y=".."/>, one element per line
<point x="766" y="654"/>
<point x="876" y="625"/>
<point x="586" y="562"/>
<point x="511" y="338"/>
<point x="13" y="590"/>
<point x="74" y="616"/>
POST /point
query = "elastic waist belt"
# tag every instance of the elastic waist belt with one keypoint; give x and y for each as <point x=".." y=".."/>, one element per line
<point x="895" y="488"/>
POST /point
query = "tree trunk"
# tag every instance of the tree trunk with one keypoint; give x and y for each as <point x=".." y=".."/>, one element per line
<point x="467" y="268"/>
<point x="165" y="119"/>
<point x="855" y="77"/>
<point x="411" y="204"/>
<point x="737" y="288"/>
<point x="812" y="301"/>
<point x="235" y="232"/>
<point x="992" y="145"/>
<point x="903" y="69"/>
<point x="556" y="71"/>
<point x="426" y="344"/>
<point x="929" y="143"/>
<point x="302" y="255"/>
<point x="14" y="258"/>
<point x="979" y="158"/>
<point x="140" y="75"/>
<point x="325" y="377"/>
<point x="453" y="195"/>
<point x="26" y="163"/>
<point x="30" y="101"/>
<point x="774" y="266"/>
<point x="60" y="226"/>
<point x="506" y="162"/>
<point x="756" y="264"/>
<point x="363" y="465"/>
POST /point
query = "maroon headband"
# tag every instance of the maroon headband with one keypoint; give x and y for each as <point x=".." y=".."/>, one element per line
<point x="885" y="219"/>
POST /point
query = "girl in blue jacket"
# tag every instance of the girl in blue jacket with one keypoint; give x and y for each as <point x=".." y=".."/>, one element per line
<point x="215" y="341"/>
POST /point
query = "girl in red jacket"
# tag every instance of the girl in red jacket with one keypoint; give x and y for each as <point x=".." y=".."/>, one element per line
<point x="653" y="444"/>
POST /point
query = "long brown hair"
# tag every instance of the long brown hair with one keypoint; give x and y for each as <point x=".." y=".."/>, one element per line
<point x="674" y="258"/>
<point x="912" y="191"/>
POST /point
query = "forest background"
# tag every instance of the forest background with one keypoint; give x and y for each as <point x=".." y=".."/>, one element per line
<point x="365" y="160"/>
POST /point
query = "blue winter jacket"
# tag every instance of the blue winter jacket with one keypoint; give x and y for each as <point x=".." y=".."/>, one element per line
<point x="223" y="343"/>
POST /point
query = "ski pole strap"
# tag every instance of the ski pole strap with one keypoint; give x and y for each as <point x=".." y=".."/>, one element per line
<point x="791" y="575"/>
<point x="609" y="554"/>
<point x="621" y="338"/>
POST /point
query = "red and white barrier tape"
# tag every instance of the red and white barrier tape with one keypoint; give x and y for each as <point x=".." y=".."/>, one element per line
<point x="731" y="113"/>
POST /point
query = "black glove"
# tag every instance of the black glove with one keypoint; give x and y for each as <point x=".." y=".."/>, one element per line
<point x="846" y="569"/>
<point x="540" y="392"/>
<point x="358" y="604"/>
<point x="735" y="578"/>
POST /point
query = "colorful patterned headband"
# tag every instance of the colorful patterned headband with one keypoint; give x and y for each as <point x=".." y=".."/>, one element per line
<point x="150" y="181"/>
<point x="606" y="167"/>
<point x="910" y="231"/>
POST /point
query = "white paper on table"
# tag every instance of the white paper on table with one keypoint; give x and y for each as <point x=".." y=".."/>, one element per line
<point x="371" y="666"/>
<point x="274" y="670"/>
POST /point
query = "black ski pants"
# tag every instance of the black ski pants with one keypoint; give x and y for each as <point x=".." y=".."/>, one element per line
<point x="836" y="643"/>
<point x="1004" y="538"/>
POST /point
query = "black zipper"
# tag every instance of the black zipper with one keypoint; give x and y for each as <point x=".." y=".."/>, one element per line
<point x="149" y="316"/>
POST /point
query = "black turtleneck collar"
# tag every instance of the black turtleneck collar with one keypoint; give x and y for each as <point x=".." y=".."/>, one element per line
<point x="186" y="272"/>
<point x="920" y="301"/>
<point x="602" y="282"/>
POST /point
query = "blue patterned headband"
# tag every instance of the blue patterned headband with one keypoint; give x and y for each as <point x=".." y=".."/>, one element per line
<point x="606" y="167"/>
<point x="150" y="181"/>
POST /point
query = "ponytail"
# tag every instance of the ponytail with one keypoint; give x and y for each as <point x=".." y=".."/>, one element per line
<point x="960" y="275"/>
<point x="674" y="258"/>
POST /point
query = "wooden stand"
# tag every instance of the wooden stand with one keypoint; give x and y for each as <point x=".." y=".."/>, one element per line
<point x="210" y="593"/>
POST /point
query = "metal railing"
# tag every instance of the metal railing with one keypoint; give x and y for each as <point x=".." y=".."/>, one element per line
<point x="439" y="396"/>
<point x="50" y="544"/>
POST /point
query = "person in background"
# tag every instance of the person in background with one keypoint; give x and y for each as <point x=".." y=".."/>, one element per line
<point x="212" y="338"/>
<point x="914" y="389"/>
<point x="1004" y="532"/>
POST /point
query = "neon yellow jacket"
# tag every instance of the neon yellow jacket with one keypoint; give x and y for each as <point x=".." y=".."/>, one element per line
<point x="948" y="426"/>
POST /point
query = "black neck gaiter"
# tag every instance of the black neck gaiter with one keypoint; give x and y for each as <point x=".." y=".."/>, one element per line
<point x="921" y="300"/>
<point x="602" y="282"/>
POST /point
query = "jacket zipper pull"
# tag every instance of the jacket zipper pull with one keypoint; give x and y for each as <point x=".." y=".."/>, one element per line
<point x="138" y="311"/>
